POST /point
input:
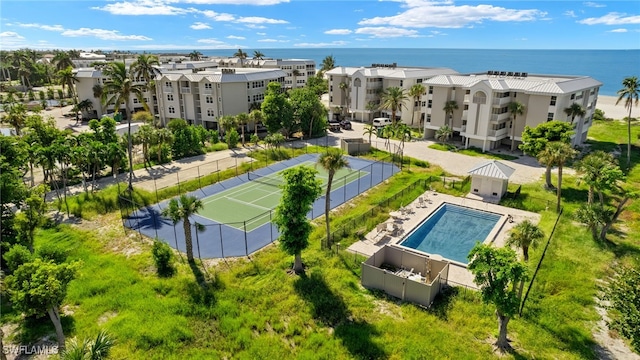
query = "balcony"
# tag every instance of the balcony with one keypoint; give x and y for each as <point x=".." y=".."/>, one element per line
<point x="501" y="101"/>
<point x="497" y="118"/>
<point x="185" y="90"/>
<point x="466" y="98"/>
<point x="463" y="129"/>
<point x="167" y="90"/>
<point x="497" y="133"/>
<point x="207" y="91"/>
<point x="465" y="114"/>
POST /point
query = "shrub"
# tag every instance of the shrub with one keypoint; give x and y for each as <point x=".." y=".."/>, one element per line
<point x="16" y="256"/>
<point x="232" y="138"/>
<point x="53" y="252"/>
<point x="254" y="139"/>
<point x="60" y="94"/>
<point x="41" y="95"/>
<point x="163" y="258"/>
<point x="214" y="136"/>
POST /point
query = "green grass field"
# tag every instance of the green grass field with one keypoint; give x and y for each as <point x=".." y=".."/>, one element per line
<point x="252" y="201"/>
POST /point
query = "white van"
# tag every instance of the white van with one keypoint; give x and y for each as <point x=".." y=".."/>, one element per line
<point x="378" y="122"/>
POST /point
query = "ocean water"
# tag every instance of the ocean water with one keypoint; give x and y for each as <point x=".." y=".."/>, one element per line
<point x="607" y="66"/>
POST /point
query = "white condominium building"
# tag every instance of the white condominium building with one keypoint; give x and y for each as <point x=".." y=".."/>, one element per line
<point x="355" y="92"/>
<point x="298" y="70"/>
<point x="482" y="116"/>
<point x="204" y="97"/>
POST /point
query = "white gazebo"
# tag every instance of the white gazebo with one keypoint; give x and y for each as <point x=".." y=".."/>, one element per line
<point x="489" y="180"/>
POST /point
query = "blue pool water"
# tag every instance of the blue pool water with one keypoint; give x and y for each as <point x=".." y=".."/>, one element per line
<point x="452" y="231"/>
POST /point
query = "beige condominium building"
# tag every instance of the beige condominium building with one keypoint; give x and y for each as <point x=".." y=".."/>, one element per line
<point x="482" y="117"/>
<point x="356" y="92"/>
<point x="202" y="98"/>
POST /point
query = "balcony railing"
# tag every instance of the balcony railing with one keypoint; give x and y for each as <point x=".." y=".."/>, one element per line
<point x="497" y="133"/>
<point x="167" y="89"/>
<point x="500" y="117"/>
<point x="501" y="101"/>
<point x="207" y="91"/>
<point x="185" y="90"/>
<point x="465" y="113"/>
<point x="463" y="128"/>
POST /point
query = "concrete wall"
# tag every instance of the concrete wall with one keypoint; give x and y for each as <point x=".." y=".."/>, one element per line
<point x="355" y="146"/>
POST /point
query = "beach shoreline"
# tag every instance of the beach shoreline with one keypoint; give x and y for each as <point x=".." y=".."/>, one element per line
<point x="613" y="111"/>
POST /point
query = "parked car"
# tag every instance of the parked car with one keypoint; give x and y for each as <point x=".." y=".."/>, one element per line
<point x="379" y="122"/>
<point x="334" y="125"/>
<point x="345" y="124"/>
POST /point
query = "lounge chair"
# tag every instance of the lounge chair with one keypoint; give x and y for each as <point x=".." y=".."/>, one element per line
<point x="421" y="202"/>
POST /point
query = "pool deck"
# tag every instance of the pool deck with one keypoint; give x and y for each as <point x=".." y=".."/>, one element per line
<point x="458" y="273"/>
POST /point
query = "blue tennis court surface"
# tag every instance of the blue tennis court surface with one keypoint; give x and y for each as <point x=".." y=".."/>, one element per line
<point x="238" y="212"/>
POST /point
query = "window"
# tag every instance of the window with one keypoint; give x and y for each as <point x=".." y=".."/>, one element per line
<point x="401" y="82"/>
<point x="169" y="97"/>
<point x="549" y="116"/>
<point x="553" y="101"/>
<point x="219" y="98"/>
<point x="573" y="96"/>
<point x="467" y="92"/>
<point x="429" y="103"/>
<point x="480" y="98"/>
<point x="419" y="81"/>
<point x="168" y="84"/>
<point x="172" y="110"/>
<point x="209" y="99"/>
<point x="248" y="98"/>
<point x="211" y="112"/>
<point x="430" y="89"/>
<point x="466" y="106"/>
<point x="135" y="101"/>
<point x="428" y="118"/>
<point x="207" y="86"/>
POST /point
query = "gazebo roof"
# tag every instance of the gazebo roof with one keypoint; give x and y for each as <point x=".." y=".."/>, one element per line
<point x="494" y="169"/>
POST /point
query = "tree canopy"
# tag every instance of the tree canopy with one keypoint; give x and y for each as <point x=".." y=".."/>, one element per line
<point x="277" y="110"/>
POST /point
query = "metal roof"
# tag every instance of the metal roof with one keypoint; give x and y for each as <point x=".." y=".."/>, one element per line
<point x="494" y="169"/>
<point x="533" y="84"/>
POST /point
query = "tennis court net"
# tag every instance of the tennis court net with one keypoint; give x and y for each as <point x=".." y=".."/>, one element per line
<point x="273" y="180"/>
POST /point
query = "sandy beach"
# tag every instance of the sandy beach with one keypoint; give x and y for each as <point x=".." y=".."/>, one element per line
<point x="618" y="112"/>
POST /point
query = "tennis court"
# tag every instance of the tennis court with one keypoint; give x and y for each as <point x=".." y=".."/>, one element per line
<point x="250" y="203"/>
<point x="237" y="213"/>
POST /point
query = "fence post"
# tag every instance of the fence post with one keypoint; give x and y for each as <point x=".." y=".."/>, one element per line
<point x="221" y="245"/>
<point x="246" y="247"/>
<point x="178" y="178"/>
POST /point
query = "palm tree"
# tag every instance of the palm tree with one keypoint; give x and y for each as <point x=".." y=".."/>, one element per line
<point x="631" y="93"/>
<point x="258" y="55"/>
<point x="182" y="209"/>
<point x="345" y="95"/>
<point x="228" y="122"/>
<point x="67" y="78"/>
<point x="163" y="136"/>
<point x="449" y="107"/>
<point x="558" y="153"/>
<point x="369" y="130"/>
<point x="16" y="116"/>
<point x="525" y="235"/>
<point x="195" y="55"/>
<point x="328" y="63"/>
<point x="295" y="74"/>
<point x="444" y="133"/>
<point x="416" y="92"/>
<point x="515" y="108"/>
<point x="403" y="132"/>
<point x="97" y="93"/>
<point x="256" y="117"/>
<point x="371" y="107"/>
<point x="84" y="106"/>
<point x="600" y="172"/>
<point x="393" y="99"/>
<point x="97" y="349"/>
<point x="242" y="119"/>
<point x="331" y="161"/>
<point x="117" y="90"/>
<point x="146" y="67"/>
<point x="62" y="59"/>
<point x="240" y="55"/>
<point x="575" y="110"/>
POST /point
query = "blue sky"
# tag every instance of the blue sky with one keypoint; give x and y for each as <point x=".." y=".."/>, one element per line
<point x="263" y="24"/>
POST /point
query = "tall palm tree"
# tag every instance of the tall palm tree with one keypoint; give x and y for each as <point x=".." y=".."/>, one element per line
<point x="97" y="93"/>
<point x="256" y="117"/>
<point x="415" y="92"/>
<point x="182" y="209"/>
<point x="117" y="90"/>
<point x="242" y="119"/>
<point x="67" y="79"/>
<point x="163" y="136"/>
<point x="575" y="110"/>
<point x="258" y="55"/>
<point x="393" y="99"/>
<point x="228" y="122"/>
<point x="403" y="132"/>
<point x="345" y="95"/>
<point x="146" y="67"/>
<point x="631" y="93"/>
<point x="525" y="235"/>
<point x="16" y="116"/>
<point x="371" y="107"/>
<point x="444" y="133"/>
<point x="558" y="153"/>
<point x="84" y="106"/>
<point x="62" y="60"/>
<point x="449" y="107"/>
<point x="195" y="55"/>
<point x="515" y="108"/>
<point x="599" y="170"/>
<point x="328" y="63"/>
<point x="240" y="55"/>
<point x="295" y="74"/>
<point x="331" y="161"/>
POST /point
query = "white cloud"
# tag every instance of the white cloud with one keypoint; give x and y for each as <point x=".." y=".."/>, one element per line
<point x="41" y="26"/>
<point x="612" y="18"/>
<point x="200" y="26"/>
<point x="618" y="31"/>
<point x="593" y="4"/>
<point x="261" y="34"/>
<point x="236" y="37"/>
<point x="254" y="26"/>
<point x="211" y="41"/>
<point x="387" y="32"/>
<point x="142" y="7"/>
<point x="338" y="32"/>
<point x="218" y="16"/>
<point x="273" y="41"/>
<point x="260" y="20"/>
<point x="184" y="46"/>
<point x="570" y="13"/>
<point x="102" y="34"/>
<point x="8" y="35"/>
<point x="318" y="45"/>
<point x="233" y="2"/>
<point x="426" y="13"/>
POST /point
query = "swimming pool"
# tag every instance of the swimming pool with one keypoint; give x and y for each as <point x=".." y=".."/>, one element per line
<point x="452" y="231"/>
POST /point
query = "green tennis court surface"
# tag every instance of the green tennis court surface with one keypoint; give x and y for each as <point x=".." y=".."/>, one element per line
<point x="253" y="201"/>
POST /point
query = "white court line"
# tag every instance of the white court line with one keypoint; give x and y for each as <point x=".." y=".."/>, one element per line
<point x="250" y="203"/>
